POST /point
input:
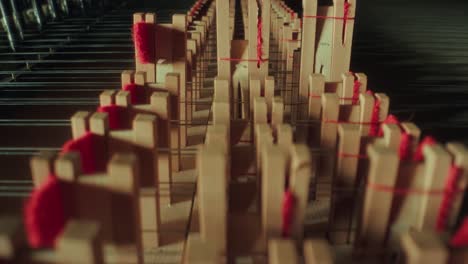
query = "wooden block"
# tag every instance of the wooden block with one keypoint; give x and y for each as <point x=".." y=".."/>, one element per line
<point x="255" y="91"/>
<point x="99" y="124"/>
<point x="308" y="43"/>
<point x="384" y="105"/>
<point x="160" y="103"/>
<point x="179" y="58"/>
<point x="460" y="153"/>
<point x="284" y="134"/>
<point x="302" y="171"/>
<point x="391" y="136"/>
<point x="222" y="93"/>
<point x="41" y="166"/>
<point x="273" y="182"/>
<point x="436" y="162"/>
<point x="68" y="167"/>
<point x="318" y="251"/>
<point x="347" y="88"/>
<point x="414" y="132"/>
<point x="150" y="210"/>
<point x="218" y="135"/>
<point x="362" y="79"/>
<point x="122" y="98"/>
<point x="223" y="41"/>
<point x="377" y="203"/>
<point x="342" y="36"/>
<point x="221" y="113"/>
<point x="277" y="111"/>
<point x="173" y="87"/>
<point x="212" y="186"/>
<point x="316" y="89"/>
<point x="201" y="252"/>
<point x="328" y="135"/>
<point x="124" y="174"/>
<point x="148" y="68"/>
<point x="11" y="237"/>
<point x="423" y="247"/>
<point x="80" y="242"/>
<point x="79" y="123"/>
<point x="269" y="91"/>
<point x="366" y="101"/>
<point x="145" y="137"/>
<point x="260" y="112"/>
<point x="348" y="149"/>
<point x="126" y="77"/>
<point x="282" y="251"/>
<point x="107" y="97"/>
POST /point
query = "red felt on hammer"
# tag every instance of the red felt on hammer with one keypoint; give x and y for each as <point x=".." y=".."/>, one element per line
<point x="427" y="141"/>
<point x="287" y="212"/>
<point x="115" y="114"/>
<point x="137" y="93"/>
<point x="450" y="192"/>
<point x="460" y="238"/>
<point x="44" y="214"/>
<point x="374" y="128"/>
<point x="92" y="152"/>
<point x="143" y="38"/>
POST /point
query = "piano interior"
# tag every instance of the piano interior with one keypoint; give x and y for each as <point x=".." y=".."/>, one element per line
<point x="234" y="131"/>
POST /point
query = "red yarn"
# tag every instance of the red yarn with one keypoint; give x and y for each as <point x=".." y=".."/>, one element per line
<point x="91" y="148"/>
<point x="453" y="176"/>
<point x="460" y="238"/>
<point x="260" y="60"/>
<point x="289" y="201"/>
<point x="44" y="215"/>
<point x="427" y="141"/>
<point x="374" y="127"/>
<point x="143" y="38"/>
<point x="137" y="93"/>
<point x="356" y="86"/>
<point x="405" y="144"/>
<point x="196" y="7"/>
<point x="115" y="114"/>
